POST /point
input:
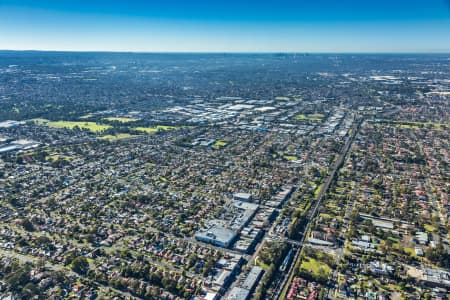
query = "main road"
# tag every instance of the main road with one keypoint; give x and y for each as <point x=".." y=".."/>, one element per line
<point x="318" y="202"/>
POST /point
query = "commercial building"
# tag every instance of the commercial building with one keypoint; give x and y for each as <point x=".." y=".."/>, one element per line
<point x="216" y="235"/>
<point x="253" y="278"/>
<point x="246" y="197"/>
<point x="238" y="293"/>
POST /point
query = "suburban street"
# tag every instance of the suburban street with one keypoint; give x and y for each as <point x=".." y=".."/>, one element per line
<point x="311" y="215"/>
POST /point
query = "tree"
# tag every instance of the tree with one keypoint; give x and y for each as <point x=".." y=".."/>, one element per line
<point x="438" y="255"/>
<point x="80" y="265"/>
<point x="27" y="225"/>
<point x="30" y="290"/>
<point x="18" y="278"/>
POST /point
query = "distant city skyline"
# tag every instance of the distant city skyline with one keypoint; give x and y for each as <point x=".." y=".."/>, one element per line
<point x="226" y="26"/>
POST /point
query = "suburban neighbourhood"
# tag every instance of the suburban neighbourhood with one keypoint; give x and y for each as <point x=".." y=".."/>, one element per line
<point x="333" y="185"/>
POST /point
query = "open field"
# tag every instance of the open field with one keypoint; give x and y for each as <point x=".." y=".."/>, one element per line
<point x="411" y="124"/>
<point x="314" y="266"/>
<point x="219" y="144"/>
<point x="290" y="157"/>
<point x="310" y="117"/>
<point x="121" y="119"/>
<point x="152" y="130"/>
<point x="91" y="126"/>
<point x="429" y="228"/>
<point x="410" y="251"/>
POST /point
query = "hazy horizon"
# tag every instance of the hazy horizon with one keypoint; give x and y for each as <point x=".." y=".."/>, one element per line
<point x="233" y="27"/>
<point x="229" y="52"/>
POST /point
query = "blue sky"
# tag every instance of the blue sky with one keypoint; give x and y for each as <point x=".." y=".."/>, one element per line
<point x="226" y="26"/>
